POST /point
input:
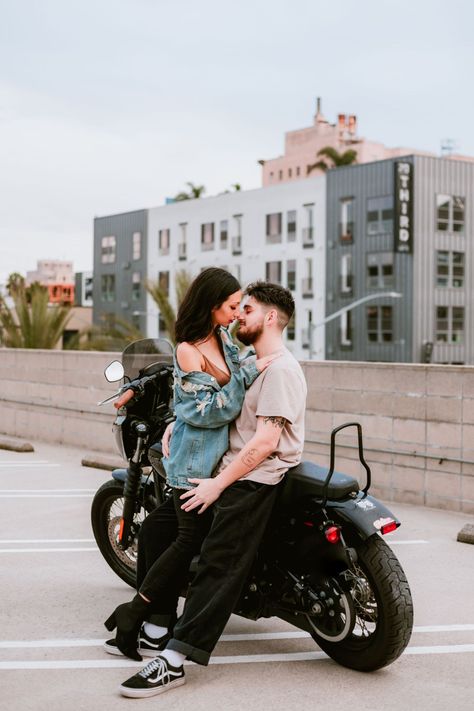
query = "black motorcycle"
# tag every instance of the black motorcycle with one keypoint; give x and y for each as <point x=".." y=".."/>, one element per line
<point x="323" y="565"/>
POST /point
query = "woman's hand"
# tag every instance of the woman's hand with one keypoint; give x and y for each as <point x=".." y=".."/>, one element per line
<point x="204" y="494"/>
<point x="265" y="361"/>
<point x="165" y="442"/>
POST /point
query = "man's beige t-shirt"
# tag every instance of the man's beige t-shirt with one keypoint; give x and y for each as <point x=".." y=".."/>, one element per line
<point x="280" y="391"/>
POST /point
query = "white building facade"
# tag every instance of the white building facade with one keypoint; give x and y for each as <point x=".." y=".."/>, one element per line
<point x="276" y="233"/>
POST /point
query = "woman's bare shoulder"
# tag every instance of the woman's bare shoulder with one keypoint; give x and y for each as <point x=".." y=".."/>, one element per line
<point x="188" y="357"/>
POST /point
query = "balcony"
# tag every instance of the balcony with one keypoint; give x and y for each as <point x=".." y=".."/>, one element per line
<point x="307" y="287"/>
<point x="308" y="237"/>
<point x="305" y="337"/>
<point x="237" y="244"/>
<point x="182" y="250"/>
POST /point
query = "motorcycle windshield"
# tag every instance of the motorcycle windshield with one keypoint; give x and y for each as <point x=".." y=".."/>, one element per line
<point x="140" y="354"/>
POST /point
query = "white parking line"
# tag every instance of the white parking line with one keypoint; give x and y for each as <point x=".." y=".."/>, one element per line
<point x="46" y="540"/>
<point x="47" y="491"/>
<point x="255" y="637"/>
<point x="238" y="659"/>
<point x="46" y="550"/>
<point x="8" y="465"/>
<point x="414" y="542"/>
<point x="45" y="496"/>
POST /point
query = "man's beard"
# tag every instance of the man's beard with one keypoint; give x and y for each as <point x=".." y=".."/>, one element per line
<point x="249" y="336"/>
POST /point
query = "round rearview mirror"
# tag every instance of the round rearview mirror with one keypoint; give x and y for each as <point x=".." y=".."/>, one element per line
<point x="114" y="371"/>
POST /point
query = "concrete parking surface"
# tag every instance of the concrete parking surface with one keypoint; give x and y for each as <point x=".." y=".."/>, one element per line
<point x="57" y="590"/>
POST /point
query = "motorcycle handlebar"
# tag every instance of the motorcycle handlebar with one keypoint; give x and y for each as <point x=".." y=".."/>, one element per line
<point x="137" y="389"/>
<point x="123" y="399"/>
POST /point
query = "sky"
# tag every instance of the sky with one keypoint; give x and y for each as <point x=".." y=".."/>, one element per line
<point x="112" y="105"/>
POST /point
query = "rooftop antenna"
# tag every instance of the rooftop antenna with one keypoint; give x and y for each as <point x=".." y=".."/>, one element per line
<point x="447" y="147"/>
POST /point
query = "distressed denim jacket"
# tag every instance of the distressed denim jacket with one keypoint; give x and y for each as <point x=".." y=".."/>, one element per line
<point x="203" y="412"/>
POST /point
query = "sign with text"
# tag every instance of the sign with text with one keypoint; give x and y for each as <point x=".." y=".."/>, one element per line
<point x="403" y="225"/>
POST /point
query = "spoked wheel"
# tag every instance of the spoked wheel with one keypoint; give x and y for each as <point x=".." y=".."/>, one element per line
<point x="106" y="514"/>
<point x="383" y="610"/>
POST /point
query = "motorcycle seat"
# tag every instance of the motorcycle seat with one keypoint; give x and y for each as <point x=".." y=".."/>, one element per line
<point x="308" y="479"/>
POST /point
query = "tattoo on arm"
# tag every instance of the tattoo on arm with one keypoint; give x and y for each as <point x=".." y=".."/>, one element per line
<point x="276" y="421"/>
<point x="249" y="458"/>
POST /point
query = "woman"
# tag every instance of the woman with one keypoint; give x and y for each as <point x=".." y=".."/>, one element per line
<point x="209" y="390"/>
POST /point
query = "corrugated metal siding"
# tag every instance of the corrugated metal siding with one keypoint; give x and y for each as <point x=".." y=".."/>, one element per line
<point x="441" y="176"/>
<point x="122" y="227"/>
<point x="362" y="182"/>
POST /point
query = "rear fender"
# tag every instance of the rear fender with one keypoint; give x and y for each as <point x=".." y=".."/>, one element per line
<point x="360" y="518"/>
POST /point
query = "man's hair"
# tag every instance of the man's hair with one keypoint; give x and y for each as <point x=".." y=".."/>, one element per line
<point x="274" y="296"/>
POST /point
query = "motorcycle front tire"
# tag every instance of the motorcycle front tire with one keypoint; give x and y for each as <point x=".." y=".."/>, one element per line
<point x="106" y="510"/>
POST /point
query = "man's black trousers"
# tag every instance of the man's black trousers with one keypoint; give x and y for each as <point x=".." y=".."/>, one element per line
<point x="240" y="516"/>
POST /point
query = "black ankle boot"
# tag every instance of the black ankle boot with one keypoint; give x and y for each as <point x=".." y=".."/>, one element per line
<point x="128" y="618"/>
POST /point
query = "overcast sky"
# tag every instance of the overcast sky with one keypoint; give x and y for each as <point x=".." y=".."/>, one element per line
<point x="112" y="105"/>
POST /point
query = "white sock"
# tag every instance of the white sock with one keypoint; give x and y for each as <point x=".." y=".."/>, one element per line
<point x="176" y="659"/>
<point x="155" y="631"/>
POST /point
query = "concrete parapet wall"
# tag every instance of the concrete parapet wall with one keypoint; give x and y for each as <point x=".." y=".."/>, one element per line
<point x="53" y="395"/>
<point x="418" y="420"/>
<point x="418" y="425"/>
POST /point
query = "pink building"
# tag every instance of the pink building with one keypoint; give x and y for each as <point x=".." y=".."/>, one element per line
<point x="302" y="146"/>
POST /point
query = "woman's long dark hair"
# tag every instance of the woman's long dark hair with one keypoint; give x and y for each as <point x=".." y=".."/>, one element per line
<point x="208" y="291"/>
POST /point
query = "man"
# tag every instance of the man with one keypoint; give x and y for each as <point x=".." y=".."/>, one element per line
<point x="265" y="440"/>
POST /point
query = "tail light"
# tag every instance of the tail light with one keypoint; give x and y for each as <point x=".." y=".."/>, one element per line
<point x="333" y="534"/>
<point x="389" y="527"/>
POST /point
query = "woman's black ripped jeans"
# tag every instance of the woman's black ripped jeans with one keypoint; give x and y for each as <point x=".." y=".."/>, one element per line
<point x="169" y="538"/>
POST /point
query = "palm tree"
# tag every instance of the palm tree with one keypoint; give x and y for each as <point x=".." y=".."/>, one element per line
<point x="195" y="191"/>
<point x="337" y="159"/>
<point x="32" y="322"/>
<point x="108" y="337"/>
<point x="161" y="298"/>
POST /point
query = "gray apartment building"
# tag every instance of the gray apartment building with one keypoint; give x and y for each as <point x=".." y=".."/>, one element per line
<point x="402" y="225"/>
<point x="120" y="265"/>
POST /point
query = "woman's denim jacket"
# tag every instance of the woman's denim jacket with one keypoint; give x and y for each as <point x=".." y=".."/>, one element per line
<point x="204" y="411"/>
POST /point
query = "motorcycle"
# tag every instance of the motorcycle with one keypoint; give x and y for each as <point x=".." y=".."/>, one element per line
<point x="323" y="565"/>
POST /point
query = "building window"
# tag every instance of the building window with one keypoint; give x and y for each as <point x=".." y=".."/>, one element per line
<point x="449" y="269"/>
<point x="271" y="176"/>
<point x="380" y="215"/>
<point x="308" y="236"/>
<point x="274" y="228"/>
<point x="450" y="213"/>
<point x="136" y="285"/>
<point x="164" y="242"/>
<point x="291" y="225"/>
<point x="379" y="324"/>
<point x="380" y="270"/>
<point x="291" y="274"/>
<point x="136" y="245"/>
<point x="164" y="282"/>
<point x="346" y="329"/>
<point x="291" y="329"/>
<point x="449" y="324"/>
<point x="107" y="287"/>
<point x="297" y="170"/>
<point x="280" y="174"/>
<point x="207" y="236"/>
<point x="237" y="238"/>
<point x="346" y="285"/>
<point x="182" y="245"/>
<point x="224" y="233"/>
<point x="107" y="249"/>
<point x="346" y="220"/>
<point x="307" y="281"/>
<point x="290" y="172"/>
<point x="273" y="272"/>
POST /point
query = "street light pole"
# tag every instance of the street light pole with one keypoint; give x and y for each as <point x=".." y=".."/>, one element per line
<point x="349" y="307"/>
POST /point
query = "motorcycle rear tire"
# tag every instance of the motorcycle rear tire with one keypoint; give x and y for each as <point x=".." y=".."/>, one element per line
<point x="123" y="563"/>
<point x="391" y="594"/>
